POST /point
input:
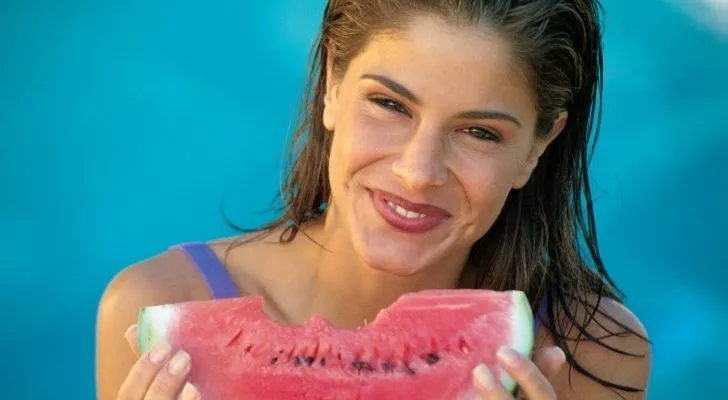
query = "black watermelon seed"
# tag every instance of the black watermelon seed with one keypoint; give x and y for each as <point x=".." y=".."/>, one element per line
<point x="387" y="367"/>
<point x="432" y="358"/>
<point x="322" y="361"/>
<point x="409" y="370"/>
<point x="362" y="366"/>
<point x="301" y="360"/>
<point x="273" y="360"/>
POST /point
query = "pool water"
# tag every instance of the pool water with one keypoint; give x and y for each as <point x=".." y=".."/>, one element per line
<point x="123" y="125"/>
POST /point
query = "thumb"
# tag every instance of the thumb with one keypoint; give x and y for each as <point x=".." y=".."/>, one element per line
<point x="132" y="336"/>
<point x="549" y="360"/>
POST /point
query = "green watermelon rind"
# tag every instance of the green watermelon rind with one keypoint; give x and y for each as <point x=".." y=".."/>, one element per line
<point x="154" y="324"/>
<point x="523" y="335"/>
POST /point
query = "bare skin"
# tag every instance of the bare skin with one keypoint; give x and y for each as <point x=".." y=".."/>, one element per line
<point x="423" y="144"/>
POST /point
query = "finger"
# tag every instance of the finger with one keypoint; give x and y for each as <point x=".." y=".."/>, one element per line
<point x="487" y="386"/>
<point x="143" y="372"/>
<point x="530" y="379"/>
<point x="169" y="382"/>
<point x="189" y="393"/>
<point x="132" y="336"/>
<point x="550" y="360"/>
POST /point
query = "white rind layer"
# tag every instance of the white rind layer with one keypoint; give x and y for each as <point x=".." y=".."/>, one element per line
<point x="522" y="332"/>
<point x="154" y="324"/>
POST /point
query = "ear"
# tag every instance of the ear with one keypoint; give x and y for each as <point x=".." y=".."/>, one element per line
<point x="330" y="97"/>
<point x="540" y="146"/>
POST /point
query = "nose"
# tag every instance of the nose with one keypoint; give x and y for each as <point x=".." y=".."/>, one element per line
<point x="421" y="163"/>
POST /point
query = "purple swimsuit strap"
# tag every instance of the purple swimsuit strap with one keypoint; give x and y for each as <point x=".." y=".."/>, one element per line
<point x="211" y="269"/>
<point x="540" y="314"/>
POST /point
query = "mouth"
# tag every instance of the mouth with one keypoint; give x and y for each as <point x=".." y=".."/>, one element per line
<point x="405" y="215"/>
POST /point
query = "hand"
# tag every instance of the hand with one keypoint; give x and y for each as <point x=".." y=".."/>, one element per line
<point x="531" y="376"/>
<point x="157" y="374"/>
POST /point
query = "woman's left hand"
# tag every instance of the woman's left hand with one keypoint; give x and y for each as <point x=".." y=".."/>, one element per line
<point x="531" y="376"/>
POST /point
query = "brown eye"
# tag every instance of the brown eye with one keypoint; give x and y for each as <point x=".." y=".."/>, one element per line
<point x="482" y="134"/>
<point x="390" y="104"/>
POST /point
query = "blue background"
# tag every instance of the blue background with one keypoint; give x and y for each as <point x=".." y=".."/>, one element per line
<point x="124" y="125"/>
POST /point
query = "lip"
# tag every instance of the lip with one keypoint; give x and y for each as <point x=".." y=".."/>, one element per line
<point x="432" y="215"/>
<point x="419" y="208"/>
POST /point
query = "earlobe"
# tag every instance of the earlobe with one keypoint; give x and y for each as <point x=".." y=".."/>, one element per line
<point x="540" y="146"/>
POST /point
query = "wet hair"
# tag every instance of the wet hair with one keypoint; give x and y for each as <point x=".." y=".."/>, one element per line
<point x="544" y="242"/>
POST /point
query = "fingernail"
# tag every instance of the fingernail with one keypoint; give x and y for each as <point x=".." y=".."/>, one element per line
<point x="159" y="352"/>
<point x="189" y="392"/>
<point x="560" y="354"/>
<point x="179" y="363"/>
<point x="483" y="377"/>
<point x="132" y="329"/>
<point x="508" y="356"/>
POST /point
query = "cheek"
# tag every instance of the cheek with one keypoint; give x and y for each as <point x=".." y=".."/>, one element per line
<point x="486" y="186"/>
<point x="361" y="140"/>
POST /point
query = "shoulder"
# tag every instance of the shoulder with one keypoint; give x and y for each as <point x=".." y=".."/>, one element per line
<point x="609" y="344"/>
<point x="165" y="278"/>
<point x="170" y="277"/>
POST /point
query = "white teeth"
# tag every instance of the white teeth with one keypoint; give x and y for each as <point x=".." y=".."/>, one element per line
<point x="411" y="215"/>
<point x="403" y="212"/>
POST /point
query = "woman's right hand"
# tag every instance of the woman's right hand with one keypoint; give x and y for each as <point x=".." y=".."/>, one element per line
<point x="158" y="374"/>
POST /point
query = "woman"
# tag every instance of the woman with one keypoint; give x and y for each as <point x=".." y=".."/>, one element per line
<point x="444" y="144"/>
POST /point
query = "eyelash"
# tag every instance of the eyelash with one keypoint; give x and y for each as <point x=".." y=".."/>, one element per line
<point x="391" y="105"/>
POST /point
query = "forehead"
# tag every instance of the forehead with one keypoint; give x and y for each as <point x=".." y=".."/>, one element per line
<point x="438" y="60"/>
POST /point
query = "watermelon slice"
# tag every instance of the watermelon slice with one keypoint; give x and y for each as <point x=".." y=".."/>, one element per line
<point x="424" y="346"/>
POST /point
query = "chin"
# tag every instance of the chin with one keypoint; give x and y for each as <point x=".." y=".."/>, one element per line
<point x="396" y="259"/>
<point x="397" y="268"/>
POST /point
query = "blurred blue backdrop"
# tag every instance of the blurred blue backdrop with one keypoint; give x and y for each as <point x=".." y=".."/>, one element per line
<point x="123" y="125"/>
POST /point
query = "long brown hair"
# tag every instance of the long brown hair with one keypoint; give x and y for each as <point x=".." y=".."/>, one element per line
<point x="544" y="242"/>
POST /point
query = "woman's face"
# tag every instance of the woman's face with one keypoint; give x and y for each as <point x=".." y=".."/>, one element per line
<point x="432" y="130"/>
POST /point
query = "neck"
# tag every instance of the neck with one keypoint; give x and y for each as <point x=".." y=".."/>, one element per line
<point x="350" y="293"/>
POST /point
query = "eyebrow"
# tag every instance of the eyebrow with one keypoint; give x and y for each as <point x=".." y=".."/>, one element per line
<point x="401" y="90"/>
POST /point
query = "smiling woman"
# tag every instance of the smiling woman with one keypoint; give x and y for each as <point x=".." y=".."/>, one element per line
<point x="406" y="136"/>
<point x="444" y="144"/>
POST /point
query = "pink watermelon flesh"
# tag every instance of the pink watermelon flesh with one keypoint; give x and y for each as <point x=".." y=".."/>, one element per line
<point x="424" y="346"/>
